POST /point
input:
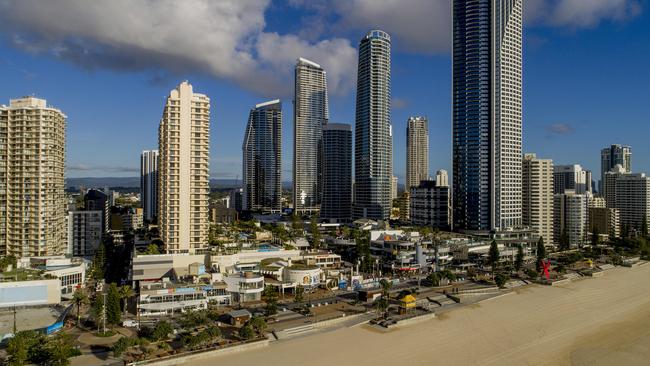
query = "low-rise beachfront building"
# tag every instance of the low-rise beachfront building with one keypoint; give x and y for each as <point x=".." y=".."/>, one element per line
<point x="39" y="292"/>
<point x="161" y="298"/>
<point x="71" y="272"/>
<point x="245" y="287"/>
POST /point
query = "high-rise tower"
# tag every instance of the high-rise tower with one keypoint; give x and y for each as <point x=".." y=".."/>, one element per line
<point x="311" y="113"/>
<point x="487" y="128"/>
<point x="183" y="166"/>
<point x="149" y="183"/>
<point x="373" y="150"/>
<point x="610" y="157"/>
<point x="262" y="158"/>
<point x="337" y="173"/>
<point x="417" y="151"/>
<point x="32" y="179"/>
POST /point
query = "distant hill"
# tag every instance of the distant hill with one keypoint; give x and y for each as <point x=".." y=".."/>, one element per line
<point x="134" y="182"/>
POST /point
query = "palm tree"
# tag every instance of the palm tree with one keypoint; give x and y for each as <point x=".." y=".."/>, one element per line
<point x="125" y="292"/>
<point x="79" y="298"/>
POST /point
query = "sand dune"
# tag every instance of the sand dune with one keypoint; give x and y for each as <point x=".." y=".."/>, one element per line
<point x="599" y="321"/>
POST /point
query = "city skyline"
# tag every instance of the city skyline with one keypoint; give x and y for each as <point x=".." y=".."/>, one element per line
<point x="549" y="122"/>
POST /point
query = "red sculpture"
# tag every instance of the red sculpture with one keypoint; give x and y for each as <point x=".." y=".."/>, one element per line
<point x="546" y="266"/>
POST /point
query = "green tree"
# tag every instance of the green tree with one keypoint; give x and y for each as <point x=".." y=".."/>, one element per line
<point x="99" y="262"/>
<point x="113" y="311"/>
<point x="434" y="278"/>
<point x="644" y="226"/>
<point x="19" y="348"/>
<point x="298" y="297"/>
<point x="161" y="331"/>
<point x="79" y="298"/>
<point x="500" y="279"/>
<point x="565" y="242"/>
<point x="98" y="309"/>
<point x="296" y="226"/>
<point x="315" y="233"/>
<point x="493" y="255"/>
<point x="126" y="292"/>
<point x="258" y="323"/>
<point x="381" y="305"/>
<point x="519" y="260"/>
<point x="152" y="249"/>
<point x="595" y="236"/>
<point x="7" y="261"/>
<point x="541" y="253"/>
<point x="246" y="332"/>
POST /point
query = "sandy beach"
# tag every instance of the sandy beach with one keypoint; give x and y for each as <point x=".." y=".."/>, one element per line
<point x="599" y="321"/>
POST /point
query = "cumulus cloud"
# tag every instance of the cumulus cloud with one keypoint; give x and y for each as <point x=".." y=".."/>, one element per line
<point x="224" y="38"/>
<point x="229" y="39"/>
<point x="560" y="129"/>
<point x="424" y="26"/>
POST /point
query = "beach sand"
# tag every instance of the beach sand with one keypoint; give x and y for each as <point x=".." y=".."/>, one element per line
<point x="595" y="321"/>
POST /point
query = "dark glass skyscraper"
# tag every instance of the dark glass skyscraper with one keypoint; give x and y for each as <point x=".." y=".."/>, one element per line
<point x="149" y="184"/>
<point x="336" y="205"/>
<point x="262" y="158"/>
<point x="486" y="114"/>
<point x="373" y="165"/>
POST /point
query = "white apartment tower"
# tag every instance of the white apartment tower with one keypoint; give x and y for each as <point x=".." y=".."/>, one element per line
<point x="537" y="196"/>
<point x="32" y="179"/>
<point x="311" y="114"/>
<point x="183" y="168"/>
<point x="417" y="151"/>
<point x="570" y="213"/>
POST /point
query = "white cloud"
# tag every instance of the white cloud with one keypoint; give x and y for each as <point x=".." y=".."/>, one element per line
<point x="229" y="40"/>
<point x="424" y="26"/>
<point x="225" y="38"/>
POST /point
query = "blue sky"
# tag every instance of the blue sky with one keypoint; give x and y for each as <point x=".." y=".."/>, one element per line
<point x="110" y="65"/>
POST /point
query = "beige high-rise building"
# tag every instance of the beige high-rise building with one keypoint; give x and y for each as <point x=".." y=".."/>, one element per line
<point x="417" y="151"/>
<point x="183" y="168"/>
<point x="393" y="187"/>
<point x="537" y="196"/>
<point x="32" y="179"/>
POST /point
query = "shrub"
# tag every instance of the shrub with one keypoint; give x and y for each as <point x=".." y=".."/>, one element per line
<point x="501" y="279"/>
<point x="246" y="332"/>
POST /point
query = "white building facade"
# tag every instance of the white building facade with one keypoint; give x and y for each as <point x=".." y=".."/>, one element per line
<point x="184" y="161"/>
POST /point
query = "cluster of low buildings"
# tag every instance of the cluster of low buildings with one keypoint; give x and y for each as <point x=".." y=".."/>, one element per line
<point x="170" y="283"/>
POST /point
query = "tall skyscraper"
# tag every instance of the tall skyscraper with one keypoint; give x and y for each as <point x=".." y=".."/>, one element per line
<point x="149" y="183"/>
<point x="537" y="196"/>
<point x="373" y="149"/>
<point x="571" y="177"/>
<point x="487" y="129"/>
<point x="310" y="114"/>
<point x="417" y="151"/>
<point x="32" y="182"/>
<point x="183" y="168"/>
<point x="262" y="158"/>
<point x="612" y="156"/>
<point x="336" y="205"/>
<point x="393" y="187"/>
